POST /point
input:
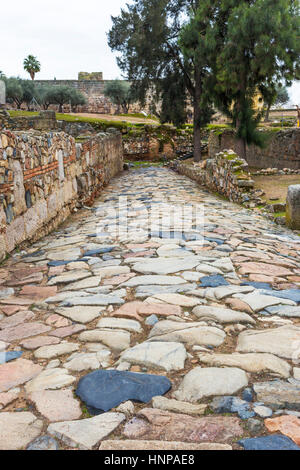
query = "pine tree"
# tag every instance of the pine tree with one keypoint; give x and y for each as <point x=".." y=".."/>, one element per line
<point x="147" y="35"/>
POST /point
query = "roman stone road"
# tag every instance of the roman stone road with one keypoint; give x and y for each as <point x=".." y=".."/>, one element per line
<point x="161" y="318"/>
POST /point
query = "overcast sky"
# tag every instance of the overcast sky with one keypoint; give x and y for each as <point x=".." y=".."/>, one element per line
<point x="67" y="36"/>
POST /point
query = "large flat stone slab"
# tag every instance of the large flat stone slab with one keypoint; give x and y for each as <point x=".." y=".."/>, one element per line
<point x="154" y="281"/>
<point x="17" y="373"/>
<point x="255" y="363"/>
<point x="69" y="276"/>
<point x="86" y="433"/>
<point x="274" y="442"/>
<point x="50" y="379"/>
<point x="178" y="299"/>
<point x="221" y="315"/>
<point x="283" y="342"/>
<point x="104" y="390"/>
<point x="163" y="266"/>
<point x="114" y="339"/>
<point x="278" y="394"/>
<point x="56" y="405"/>
<point x="159" y="355"/>
<point x="200" y="383"/>
<point x="258" y="302"/>
<point x="22" y="331"/>
<point x="176" y="406"/>
<point x="188" y="333"/>
<point x="154" y="424"/>
<point x="17" y="430"/>
<point x="100" y="299"/>
<point x="56" y="350"/>
<point x="80" y="314"/>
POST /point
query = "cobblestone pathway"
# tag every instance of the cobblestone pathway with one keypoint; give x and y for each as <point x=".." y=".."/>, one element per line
<point x="115" y="329"/>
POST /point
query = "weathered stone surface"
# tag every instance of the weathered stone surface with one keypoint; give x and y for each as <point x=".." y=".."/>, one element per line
<point x="88" y="361"/>
<point x="43" y="443"/>
<point x="178" y="299"/>
<point x="152" y="424"/>
<point x="278" y="394"/>
<point x="56" y="405"/>
<point x="255" y="363"/>
<point x="208" y="382"/>
<point x="17" y="373"/>
<point x="104" y="390"/>
<point x="221" y="315"/>
<point x="86" y="433"/>
<point x="8" y="397"/>
<point x="120" y="323"/>
<point x="114" y="339"/>
<point x="39" y="341"/>
<point x="287" y="425"/>
<point x="284" y="311"/>
<point x="263" y="268"/>
<point x="50" y="379"/>
<point x="100" y="299"/>
<point x="68" y="331"/>
<point x="17" y="430"/>
<point x="163" y="266"/>
<point x="292" y="207"/>
<point x="176" y="406"/>
<point x="276" y="442"/>
<point x="189" y="333"/>
<point x="160" y="445"/>
<point x="69" y="276"/>
<point x="16" y="319"/>
<point x="258" y="302"/>
<point x="154" y="280"/>
<point x="281" y="341"/>
<point x="80" y="314"/>
<point x="159" y="355"/>
<point x="38" y="292"/>
<point x="56" y="350"/>
<point x="23" y="331"/>
<point x="84" y="284"/>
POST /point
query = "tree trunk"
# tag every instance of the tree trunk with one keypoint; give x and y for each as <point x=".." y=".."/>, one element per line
<point x="60" y="108"/>
<point x="197" y="118"/>
<point x="268" y="113"/>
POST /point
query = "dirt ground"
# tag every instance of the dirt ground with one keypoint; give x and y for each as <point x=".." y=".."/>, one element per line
<point x="111" y="117"/>
<point x="275" y="186"/>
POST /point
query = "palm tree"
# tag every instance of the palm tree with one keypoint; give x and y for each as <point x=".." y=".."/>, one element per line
<point x="32" y="66"/>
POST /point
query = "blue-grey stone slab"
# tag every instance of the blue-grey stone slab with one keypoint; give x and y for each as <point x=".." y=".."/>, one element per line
<point x="213" y="281"/>
<point x="214" y="240"/>
<point x="291" y="294"/>
<point x="98" y="251"/>
<point x="257" y="285"/>
<point x="283" y="310"/>
<point x="274" y="442"/>
<point x="9" y="356"/>
<point x="43" y="443"/>
<point x="105" y="389"/>
<point x="248" y="394"/>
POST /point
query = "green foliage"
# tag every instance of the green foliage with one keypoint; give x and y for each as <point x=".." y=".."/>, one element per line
<point x="119" y="92"/>
<point x="166" y="69"/>
<point x="32" y="65"/>
<point x="261" y="48"/>
<point x="14" y="91"/>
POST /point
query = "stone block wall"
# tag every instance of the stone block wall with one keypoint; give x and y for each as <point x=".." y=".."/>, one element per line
<point x="43" y="176"/>
<point x="226" y="174"/>
<point x="282" y="148"/>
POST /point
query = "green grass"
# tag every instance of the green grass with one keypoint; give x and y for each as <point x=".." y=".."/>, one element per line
<point x="19" y="113"/>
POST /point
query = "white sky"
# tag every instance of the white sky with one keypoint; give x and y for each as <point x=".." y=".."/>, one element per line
<point x="67" y="36"/>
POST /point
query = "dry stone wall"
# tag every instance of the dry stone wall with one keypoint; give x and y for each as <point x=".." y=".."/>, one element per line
<point x="226" y="174"/>
<point x="43" y="176"/>
<point x="282" y="148"/>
